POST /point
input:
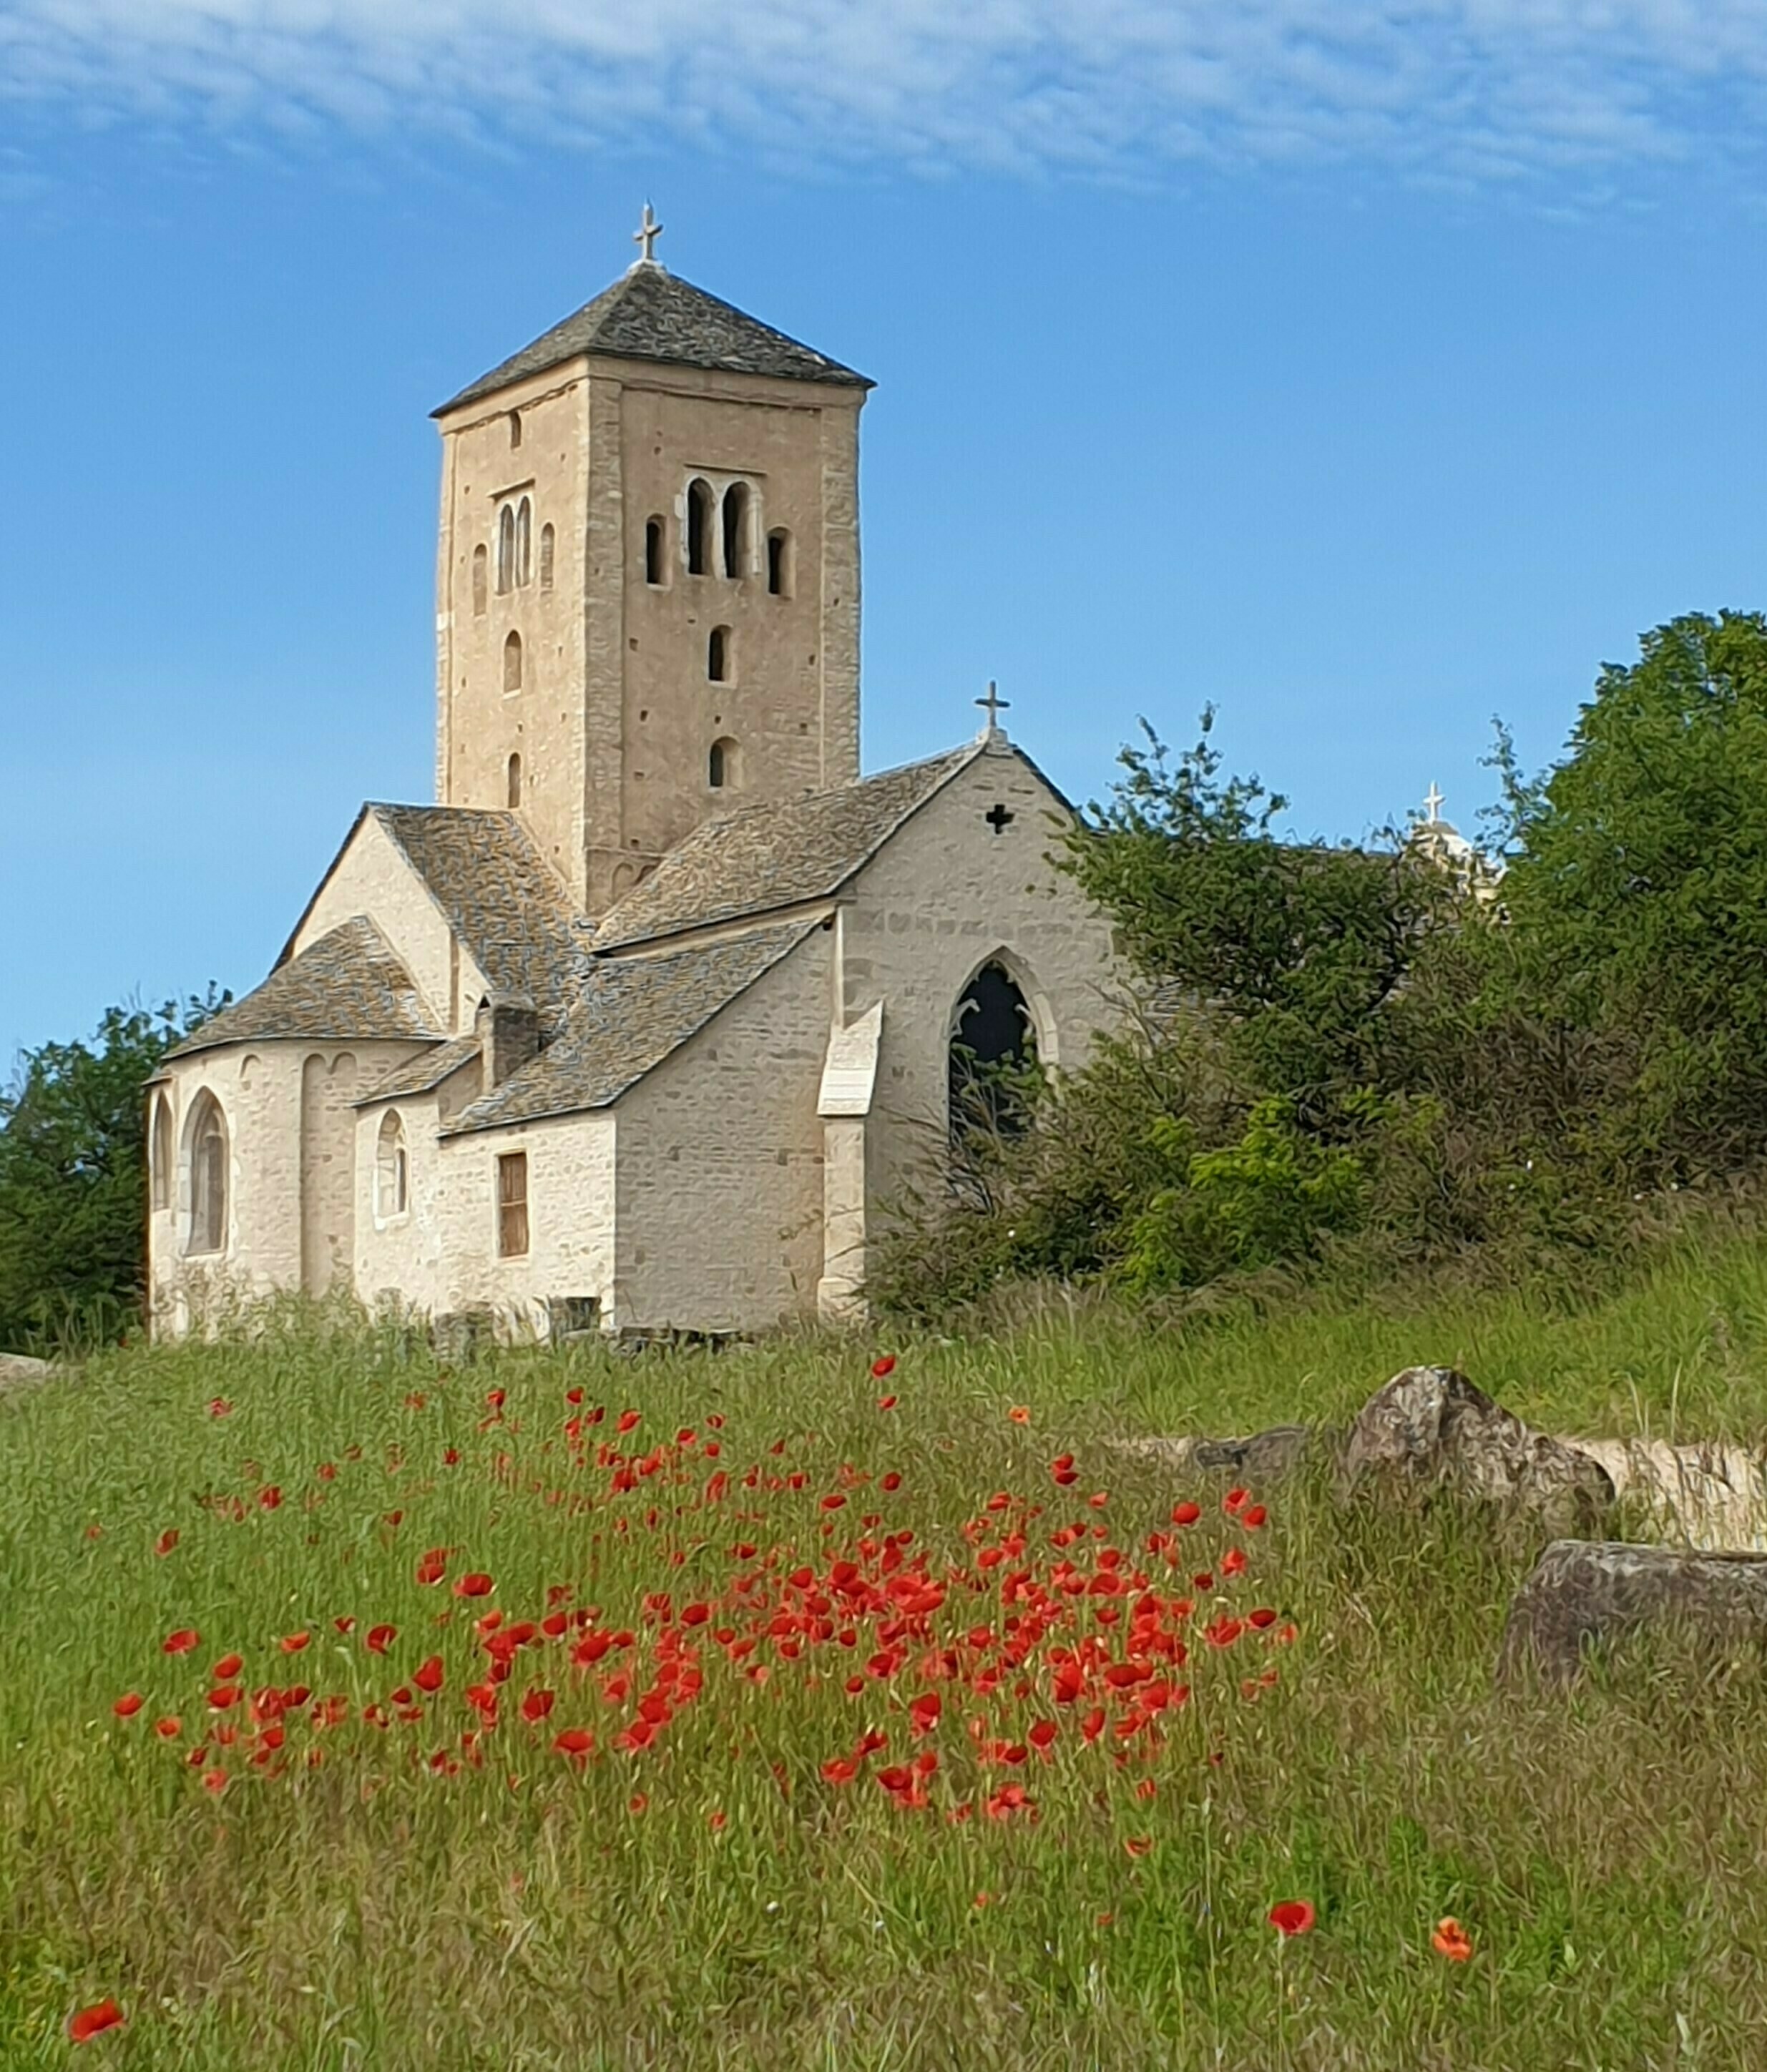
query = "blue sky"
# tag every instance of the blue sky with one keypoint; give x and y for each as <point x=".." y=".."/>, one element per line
<point x="1366" y="372"/>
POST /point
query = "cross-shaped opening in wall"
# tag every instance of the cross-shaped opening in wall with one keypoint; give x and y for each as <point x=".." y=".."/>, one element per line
<point x="999" y="818"/>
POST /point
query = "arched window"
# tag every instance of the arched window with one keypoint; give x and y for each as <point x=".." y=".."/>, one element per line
<point x="481" y="580"/>
<point x="994" y="1042"/>
<point x="718" y="656"/>
<point x="736" y="530"/>
<point x="207" y="1176"/>
<point x="546" y="557"/>
<point x="392" y="1169"/>
<point x="524" y="544"/>
<point x="724" y="766"/>
<point x="512" y="664"/>
<point x="515" y="429"/>
<point x="779" y="563"/>
<point x="514" y="776"/>
<point x="655" y="561"/>
<point x="699" y="505"/>
<point x="160" y="1155"/>
<point x="506" y="549"/>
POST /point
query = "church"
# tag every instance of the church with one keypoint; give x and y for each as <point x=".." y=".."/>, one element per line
<point x="645" y="1024"/>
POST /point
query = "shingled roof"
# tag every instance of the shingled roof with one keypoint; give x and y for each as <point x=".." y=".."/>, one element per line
<point x="767" y="856"/>
<point x="347" y="987"/>
<point x="499" y="896"/>
<point x="634" y="1012"/>
<point x="424" y="1073"/>
<point x="647" y="313"/>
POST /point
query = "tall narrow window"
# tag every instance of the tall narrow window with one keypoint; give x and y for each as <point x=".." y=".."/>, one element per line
<point x="392" y="1169"/>
<point x="699" y="502"/>
<point x="481" y="580"/>
<point x="524" y="544"/>
<point x="514" y="781"/>
<point x="513" y="1205"/>
<point x="546" y="557"/>
<point x="736" y="530"/>
<point x="779" y="564"/>
<point x="160" y="1151"/>
<point x="654" y="562"/>
<point x="718" y="656"/>
<point x="994" y="1042"/>
<point x="724" y="765"/>
<point x="512" y="664"/>
<point x="515" y="429"/>
<point x="207" y="1176"/>
<point x="506" y="549"/>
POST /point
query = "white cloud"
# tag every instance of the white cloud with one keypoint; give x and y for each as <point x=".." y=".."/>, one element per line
<point x="1457" y="89"/>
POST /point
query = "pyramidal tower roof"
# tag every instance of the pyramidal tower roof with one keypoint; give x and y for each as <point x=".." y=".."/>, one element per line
<point x="648" y="314"/>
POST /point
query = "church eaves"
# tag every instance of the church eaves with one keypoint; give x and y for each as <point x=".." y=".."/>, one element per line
<point x="347" y="987"/>
<point x="633" y="1014"/>
<point x="648" y="314"/>
<point x="773" y="856"/>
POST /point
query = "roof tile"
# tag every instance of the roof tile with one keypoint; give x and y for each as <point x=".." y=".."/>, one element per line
<point x="347" y="987"/>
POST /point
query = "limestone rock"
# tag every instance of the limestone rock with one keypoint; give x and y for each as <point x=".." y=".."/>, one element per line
<point x="1430" y="1428"/>
<point x="1710" y="1493"/>
<point x="1585" y="1591"/>
<point x="16" y="1368"/>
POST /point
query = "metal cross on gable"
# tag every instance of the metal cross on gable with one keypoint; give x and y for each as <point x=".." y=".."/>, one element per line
<point x="994" y="704"/>
<point x="645" y="236"/>
<point x="1433" y="802"/>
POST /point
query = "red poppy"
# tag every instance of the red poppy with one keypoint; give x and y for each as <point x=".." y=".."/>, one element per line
<point x="833" y="1503"/>
<point x="1452" y="1941"/>
<point x="293" y="1643"/>
<point x="434" y="1566"/>
<point x="1019" y="1414"/>
<point x="883" y="1366"/>
<point x="1235" y="1498"/>
<point x="215" y="1782"/>
<point x="219" y="1407"/>
<point x="128" y="1705"/>
<point x="1186" y="1513"/>
<point x="1137" y="1845"/>
<point x="169" y="1729"/>
<point x="887" y="1402"/>
<point x="270" y="1497"/>
<point x="229" y="1665"/>
<point x="629" y="1419"/>
<point x="890" y="1482"/>
<point x="428" y="1676"/>
<point x="1253" y="1516"/>
<point x="224" y="1697"/>
<point x="381" y="1638"/>
<point x="477" y="1585"/>
<point x="637" y="1802"/>
<point x="167" y="1540"/>
<point x="1261" y="1618"/>
<point x="536" y="1705"/>
<point x="181" y="1643"/>
<point x="1292" y="1917"/>
<point x="575" y="1742"/>
<point x="93" y="2021"/>
<point x="840" y="1770"/>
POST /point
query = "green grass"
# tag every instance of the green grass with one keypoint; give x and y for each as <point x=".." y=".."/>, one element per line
<point x="1605" y="1850"/>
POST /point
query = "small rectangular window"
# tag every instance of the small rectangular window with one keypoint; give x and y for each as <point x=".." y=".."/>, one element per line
<point x="513" y="1205"/>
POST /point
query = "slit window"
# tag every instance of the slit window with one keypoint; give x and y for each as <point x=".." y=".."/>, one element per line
<point x="512" y="664"/>
<point x="547" y="553"/>
<point x="481" y="580"/>
<point x="513" y="1205"/>
<point x="515" y="429"/>
<point x="736" y="530"/>
<point x="699" y="502"/>
<point x="506" y="549"/>
<point x="779" y="564"/>
<point x="654" y="563"/>
<point x="513" y="785"/>
<point x="161" y="1152"/>
<point x="393" y="1168"/>
<point x="523" y="548"/>
<point x="718" y="656"/>
<point x="723" y="766"/>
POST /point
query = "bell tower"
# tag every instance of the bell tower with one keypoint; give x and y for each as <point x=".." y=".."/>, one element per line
<point x="648" y="579"/>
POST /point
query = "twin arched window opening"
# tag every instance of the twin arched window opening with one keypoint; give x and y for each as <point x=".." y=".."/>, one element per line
<point x="734" y="514"/>
<point x="392" y="1169"/>
<point x="515" y="548"/>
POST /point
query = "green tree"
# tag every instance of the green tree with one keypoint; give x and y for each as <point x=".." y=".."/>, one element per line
<point x="73" y="1200"/>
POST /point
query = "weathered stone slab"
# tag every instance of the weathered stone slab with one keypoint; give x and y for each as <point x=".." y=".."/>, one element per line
<point x="1430" y="1428"/>
<point x="1589" y="1592"/>
<point x="1710" y="1495"/>
<point x="16" y="1369"/>
<point x="1259" y="1457"/>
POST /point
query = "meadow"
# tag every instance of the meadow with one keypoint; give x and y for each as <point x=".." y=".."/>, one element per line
<point x="853" y="1703"/>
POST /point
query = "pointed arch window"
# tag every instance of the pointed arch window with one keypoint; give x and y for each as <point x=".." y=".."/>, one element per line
<point x="209" y="1162"/>
<point x="512" y="664"/>
<point x="160" y="1152"/>
<point x="699" y="516"/>
<point x="736" y="515"/>
<point x="506" y="549"/>
<point x="994" y="1043"/>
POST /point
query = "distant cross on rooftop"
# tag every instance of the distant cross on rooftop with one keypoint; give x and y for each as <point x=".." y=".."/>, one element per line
<point x="1432" y="805"/>
<point x="994" y="704"/>
<point x="645" y="236"/>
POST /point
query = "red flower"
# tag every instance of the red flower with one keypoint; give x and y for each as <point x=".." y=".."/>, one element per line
<point x="229" y="1665"/>
<point x="575" y="1742"/>
<point x="890" y="1482"/>
<point x="628" y="1419"/>
<point x="215" y="1782"/>
<point x="1452" y="1941"/>
<point x="887" y="1402"/>
<point x="1137" y="1845"/>
<point x="293" y="1643"/>
<point x="833" y="1503"/>
<point x="434" y="1566"/>
<point x="1186" y="1513"/>
<point x="381" y="1638"/>
<point x="840" y="1770"/>
<point x="93" y="2021"/>
<point x="1253" y="1516"/>
<point x="536" y="1705"/>
<point x="219" y="1407"/>
<point x="1292" y="1917"/>
<point x="1261" y="1618"/>
<point x="429" y="1675"/>
<point x="169" y="1729"/>
<point x="1235" y="1498"/>
<point x="884" y="1366"/>
<point x="167" y="1540"/>
<point x="637" y="1802"/>
<point x="477" y="1585"/>
<point x="1018" y="1414"/>
<point x="271" y="1497"/>
<point x="182" y="1641"/>
<point x="128" y="1705"/>
<point x="224" y="1697"/>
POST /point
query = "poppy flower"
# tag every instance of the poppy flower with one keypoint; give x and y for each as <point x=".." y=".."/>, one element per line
<point x="215" y="1782"/>
<point x="887" y="1402"/>
<point x="1018" y="1414"/>
<point x="1261" y="1618"/>
<point x="637" y="1802"/>
<point x="890" y="1482"/>
<point x="1452" y="1941"/>
<point x="229" y="1666"/>
<point x="1253" y="1516"/>
<point x="835" y="1502"/>
<point x="536" y="1705"/>
<point x="840" y="1770"/>
<point x="433" y="1567"/>
<point x="629" y="1421"/>
<point x="167" y="1540"/>
<point x="293" y="1643"/>
<point x="219" y="1407"/>
<point x="181" y="1643"/>
<point x="428" y="1676"/>
<point x="575" y="1742"/>
<point x="128" y="1705"/>
<point x="381" y="1638"/>
<point x="1292" y="1917"/>
<point x="94" y="2021"/>
<point x="270" y="1497"/>
<point x="477" y="1585"/>
<point x="882" y="1367"/>
<point x="1186" y="1513"/>
<point x="1137" y="1845"/>
<point x="169" y="1729"/>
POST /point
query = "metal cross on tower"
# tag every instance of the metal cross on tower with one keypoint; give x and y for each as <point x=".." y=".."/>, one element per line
<point x="994" y="704"/>
<point x="1432" y="805"/>
<point x="645" y="236"/>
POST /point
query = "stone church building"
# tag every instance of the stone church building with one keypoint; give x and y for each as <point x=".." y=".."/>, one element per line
<point x="646" y="1023"/>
